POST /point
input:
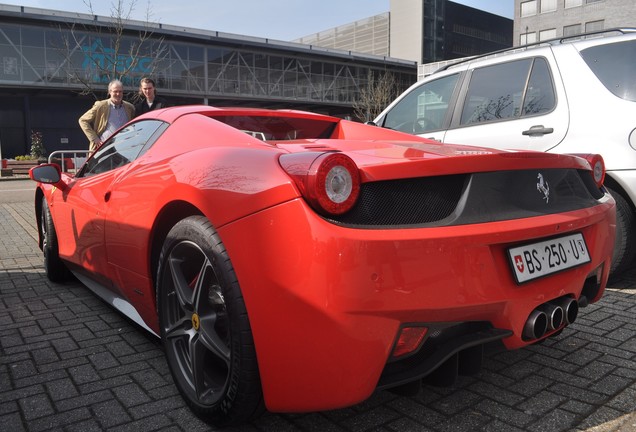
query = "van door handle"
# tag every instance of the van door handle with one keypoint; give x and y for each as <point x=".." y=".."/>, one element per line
<point x="537" y="131"/>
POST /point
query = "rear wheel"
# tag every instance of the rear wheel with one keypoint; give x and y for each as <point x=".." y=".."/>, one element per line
<point x="204" y="326"/>
<point x="55" y="269"/>
<point x="625" y="245"/>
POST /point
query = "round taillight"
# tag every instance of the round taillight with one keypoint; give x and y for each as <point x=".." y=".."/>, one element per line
<point x="597" y="164"/>
<point x="598" y="170"/>
<point x="329" y="181"/>
<point x="334" y="183"/>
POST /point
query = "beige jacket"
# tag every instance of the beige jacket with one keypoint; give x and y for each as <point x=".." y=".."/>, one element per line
<point x="94" y="121"/>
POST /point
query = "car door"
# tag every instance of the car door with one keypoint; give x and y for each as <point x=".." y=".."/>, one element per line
<point x="79" y="214"/>
<point x="82" y="208"/>
<point x="518" y="104"/>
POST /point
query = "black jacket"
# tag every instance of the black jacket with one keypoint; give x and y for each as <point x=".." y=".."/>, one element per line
<point x="142" y="107"/>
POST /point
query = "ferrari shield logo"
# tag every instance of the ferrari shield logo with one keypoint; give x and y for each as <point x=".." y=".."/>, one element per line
<point x="519" y="263"/>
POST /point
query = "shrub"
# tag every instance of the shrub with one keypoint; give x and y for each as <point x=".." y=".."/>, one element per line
<point x="24" y="158"/>
<point x="37" y="145"/>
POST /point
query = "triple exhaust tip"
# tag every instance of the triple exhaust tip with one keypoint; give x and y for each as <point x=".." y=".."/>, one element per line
<point x="550" y="316"/>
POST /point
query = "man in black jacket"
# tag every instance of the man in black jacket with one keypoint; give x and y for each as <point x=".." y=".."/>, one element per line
<point x="149" y="100"/>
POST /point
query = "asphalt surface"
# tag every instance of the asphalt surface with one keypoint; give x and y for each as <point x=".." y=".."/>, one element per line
<point x="68" y="362"/>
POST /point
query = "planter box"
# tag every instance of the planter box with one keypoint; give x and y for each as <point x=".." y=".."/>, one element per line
<point x="21" y="167"/>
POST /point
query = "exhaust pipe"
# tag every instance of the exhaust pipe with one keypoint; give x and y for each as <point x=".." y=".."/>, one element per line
<point x="554" y="314"/>
<point x="570" y="309"/>
<point x="536" y="325"/>
<point x="551" y="316"/>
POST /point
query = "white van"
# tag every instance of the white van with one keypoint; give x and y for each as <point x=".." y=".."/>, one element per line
<point x="570" y="95"/>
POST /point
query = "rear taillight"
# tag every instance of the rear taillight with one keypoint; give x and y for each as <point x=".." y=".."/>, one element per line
<point x="598" y="167"/>
<point x="330" y="182"/>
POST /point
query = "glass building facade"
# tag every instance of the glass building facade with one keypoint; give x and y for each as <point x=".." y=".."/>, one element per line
<point x="42" y="74"/>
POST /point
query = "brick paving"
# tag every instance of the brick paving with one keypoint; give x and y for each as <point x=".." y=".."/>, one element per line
<point x="68" y="362"/>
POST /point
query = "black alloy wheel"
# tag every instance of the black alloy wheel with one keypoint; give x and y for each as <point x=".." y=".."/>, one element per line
<point x="204" y="326"/>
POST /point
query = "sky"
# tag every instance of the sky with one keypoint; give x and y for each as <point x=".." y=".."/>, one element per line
<point x="283" y="20"/>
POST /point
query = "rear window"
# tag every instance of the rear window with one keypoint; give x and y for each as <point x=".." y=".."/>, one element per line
<point x="613" y="64"/>
<point x="279" y="128"/>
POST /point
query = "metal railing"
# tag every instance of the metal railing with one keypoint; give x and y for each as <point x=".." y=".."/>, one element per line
<point x="69" y="161"/>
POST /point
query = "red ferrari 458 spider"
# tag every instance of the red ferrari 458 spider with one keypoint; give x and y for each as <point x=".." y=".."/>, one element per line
<point x="294" y="262"/>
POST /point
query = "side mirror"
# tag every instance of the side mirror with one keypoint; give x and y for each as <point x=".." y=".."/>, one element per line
<point x="47" y="173"/>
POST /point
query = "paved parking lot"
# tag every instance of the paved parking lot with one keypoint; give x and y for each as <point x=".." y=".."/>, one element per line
<point x="68" y="362"/>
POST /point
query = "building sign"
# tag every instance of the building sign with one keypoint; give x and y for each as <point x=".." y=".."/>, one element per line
<point x="99" y="60"/>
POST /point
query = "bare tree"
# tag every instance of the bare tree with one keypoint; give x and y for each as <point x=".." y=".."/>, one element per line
<point x="114" y="48"/>
<point x="380" y="90"/>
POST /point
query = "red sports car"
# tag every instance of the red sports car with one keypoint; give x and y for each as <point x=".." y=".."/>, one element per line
<point x="293" y="262"/>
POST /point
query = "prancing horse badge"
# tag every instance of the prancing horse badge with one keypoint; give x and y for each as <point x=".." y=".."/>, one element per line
<point x="543" y="187"/>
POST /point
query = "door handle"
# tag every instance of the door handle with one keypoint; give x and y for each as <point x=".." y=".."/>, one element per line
<point x="107" y="196"/>
<point x="537" y="131"/>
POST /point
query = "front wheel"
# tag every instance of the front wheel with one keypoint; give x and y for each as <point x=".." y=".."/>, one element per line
<point x="204" y="326"/>
<point x="625" y="245"/>
<point x="55" y="269"/>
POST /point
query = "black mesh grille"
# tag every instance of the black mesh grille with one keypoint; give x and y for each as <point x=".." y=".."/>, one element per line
<point x="590" y="185"/>
<point x="412" y="201"/>
<point x="470" y="198"/>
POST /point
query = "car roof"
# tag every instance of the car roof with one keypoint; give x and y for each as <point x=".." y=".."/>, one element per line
<point x="595" y="36"/>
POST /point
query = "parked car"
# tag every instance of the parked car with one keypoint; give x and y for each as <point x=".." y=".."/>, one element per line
<point x="273" y="250"/>
<point x="569" y="95"/>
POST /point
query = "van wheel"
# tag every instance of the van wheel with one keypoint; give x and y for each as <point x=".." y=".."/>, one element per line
<point x="625" y="245"/>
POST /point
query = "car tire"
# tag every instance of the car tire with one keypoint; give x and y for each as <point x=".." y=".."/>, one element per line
<point x="204" y="326"/>
<point x="55" y="269"/>
<point x="625" y="245"/>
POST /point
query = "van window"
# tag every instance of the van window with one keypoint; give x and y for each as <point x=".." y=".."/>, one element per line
<point x="539" y="97"/>
<point x="613" y="64"/>
<point x="424" y="108"/>
<point x="508" y="90"/>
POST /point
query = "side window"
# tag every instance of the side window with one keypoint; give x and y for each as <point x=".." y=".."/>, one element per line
<point x="613" y="65"/>
<point x="499" y="92"/>
<point x="424" y="108"/>
<point x="123" y="147"/>
<point x="539" y="97"/>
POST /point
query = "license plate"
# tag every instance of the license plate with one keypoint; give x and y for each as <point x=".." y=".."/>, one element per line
<point x="539" y="259"/>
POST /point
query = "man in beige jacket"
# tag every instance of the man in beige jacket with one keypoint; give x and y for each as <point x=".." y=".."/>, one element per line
<point x="106" y="116"/>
